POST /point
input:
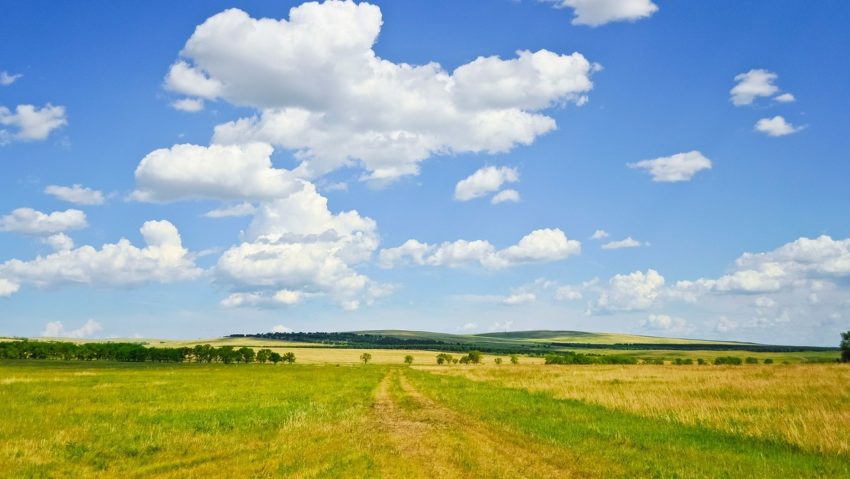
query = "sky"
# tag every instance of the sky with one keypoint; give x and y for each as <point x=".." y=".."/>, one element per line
<point x="643" y="166"/>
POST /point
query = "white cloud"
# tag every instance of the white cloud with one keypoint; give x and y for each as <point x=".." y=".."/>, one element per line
<point x="55" y="329"/>
<point x="297" y="244"/>
<point x="7" y="78"/>
<point x="503" y="196"/>
<point x="217" y="171"/>
<point x="568" y="293"/>
<point x="241" y="209"/>
<point x="776" y="126"/>
<point x="59" y="242"/>
<point x="664" y="322"/>
<point x="519" y="298"/>
<point x="281" y="329"/>
<point x="485" y="180"/>
<point x="785" y="98"/>
<point x="76" y="194"/>
<point x="629" y="242"/>
<point x="8" y="288"/>
<point x="322" y="91"/>
<point x="31" y="123"/>
<point x="33" y="222"/>
<point x="599" y="234"/>
<point x="751" y="85"/>
<point x="469" y="326"/>
<point x="189" y="105"/>
<point x="630" y="292"/>
<point x="164" y="260"/>
<point x="284" y="297"/>
<point x="541" y="245"/>
<point x="599" y="12"/>
<point x="679" y="167"/>
<point x="725" y="325"/>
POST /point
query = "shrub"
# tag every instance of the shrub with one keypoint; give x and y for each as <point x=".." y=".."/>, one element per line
<point x="408" y="360"/>
<point x="514" y="359"/>
<point x="445" y="358"/>
<point x="768" y="361"/>
<point x="498" y="361"/>
<point x="701" y="361"/>
<point x="751" y="360"/>
<point x="366" y="357"/>
<point x="733" y="360"/>
<point x="288" y="357"/>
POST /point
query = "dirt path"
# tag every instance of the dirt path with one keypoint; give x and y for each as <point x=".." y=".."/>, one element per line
<point x="434" y="441"/>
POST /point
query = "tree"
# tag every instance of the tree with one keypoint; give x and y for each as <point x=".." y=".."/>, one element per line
<point x="514" y="359"/>
<point x="264" y="355"/>
<point x="845" y="347"/>
<point x="276" y="357"/>
<point x="365" y="357"/>
<point x="498" y="361"/>
<point x="473" y="357"/>
<point x="408" y="360"/>
<point x="245" y="354"/>
<point x="289" y="357"/>
<point x="445" y="358"/>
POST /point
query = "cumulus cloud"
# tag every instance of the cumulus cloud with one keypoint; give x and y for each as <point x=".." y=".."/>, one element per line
<point x="754" y="84"/>
<point x="511" y="196"/>
<point x="284" y="297"/>
<point x="321" y="90"/>
<point x="519" y="298"/>
<point x="241" y="209"/>
<point x="599" y="12"/>
<point x="469" y="326"/>
<point x="164" y="260"/>
<point x="8" y="288"/>
<point x="664" y="322"/>
<point x="484" y="181"/>
<point x="599" y="234"/>
<point x="32" y="222"/>
<point x="189" y="105"/>
<point x="7" y="78"/>
<point x="281" y="329"/>
<point x="31" y="123"/>
<point x="541" y="245"/>
<point x="220" y="172"/>
<point x="55" y="329"/>
<point x="630" y="292"/>
<point x="77" y="194"/>
<point x="679" y="167"/>
<point x="59" y="242"/>
<point x="296" y="244"/>
<point x="776" y="126"/>
<point x="629" y="242"/>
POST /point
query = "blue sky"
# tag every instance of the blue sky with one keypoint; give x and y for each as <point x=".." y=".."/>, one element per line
<point x="338" y="143"/>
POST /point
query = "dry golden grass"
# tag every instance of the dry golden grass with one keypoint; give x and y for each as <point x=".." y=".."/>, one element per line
<point x="804" y="405"/>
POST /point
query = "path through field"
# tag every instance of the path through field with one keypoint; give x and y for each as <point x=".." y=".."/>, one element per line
<point x="438" y="442"/>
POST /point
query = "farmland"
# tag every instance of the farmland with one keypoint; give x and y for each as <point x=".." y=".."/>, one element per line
<point x="108" y="419"/>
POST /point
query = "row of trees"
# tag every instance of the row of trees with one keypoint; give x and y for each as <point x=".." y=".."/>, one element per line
<point x="133" y="352"/>
<point x="845" y="347"/>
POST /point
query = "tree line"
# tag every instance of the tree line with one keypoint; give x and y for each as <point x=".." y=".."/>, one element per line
<point x="134" y="352"/>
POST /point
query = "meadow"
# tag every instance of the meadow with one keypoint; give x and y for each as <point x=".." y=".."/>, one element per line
<point x="109" y="419"/>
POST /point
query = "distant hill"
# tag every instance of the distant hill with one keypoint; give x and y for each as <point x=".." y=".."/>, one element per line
<point x="548" y="336"/>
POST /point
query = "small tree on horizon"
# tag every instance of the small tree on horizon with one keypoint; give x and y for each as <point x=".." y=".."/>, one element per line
<point x="408" y="360"/>
<point x="366" y="357"/>
<point x="288" y="357"/>
<point x="514" y="359"/>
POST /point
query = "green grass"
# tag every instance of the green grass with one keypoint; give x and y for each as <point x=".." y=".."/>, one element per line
<point x="627" y="445"/>
<point x="106" y="419"/>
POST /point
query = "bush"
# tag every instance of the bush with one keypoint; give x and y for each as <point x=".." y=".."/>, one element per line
<point x="768" y="361"/>
<point x="722" y="360"/>
<point x="445" y="358"/>
<point x="751" y="360"/>
<point x="570" y="357"/>
<point x="366" y="357"/>
<point x="408" y="360"/>
<point x="498" y="361"/>
<point x="701" y="361"/>
<point x="654" y="361"/>
<point x="514" y="359"/>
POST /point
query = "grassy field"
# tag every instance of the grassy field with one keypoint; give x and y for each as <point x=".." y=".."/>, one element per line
<point x="90" y="419"/>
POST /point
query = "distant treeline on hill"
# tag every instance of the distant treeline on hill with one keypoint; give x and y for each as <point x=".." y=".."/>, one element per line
<point x="755" y="348"/>
<point x="134" y="352"/>
<point x="381" y="341"/>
